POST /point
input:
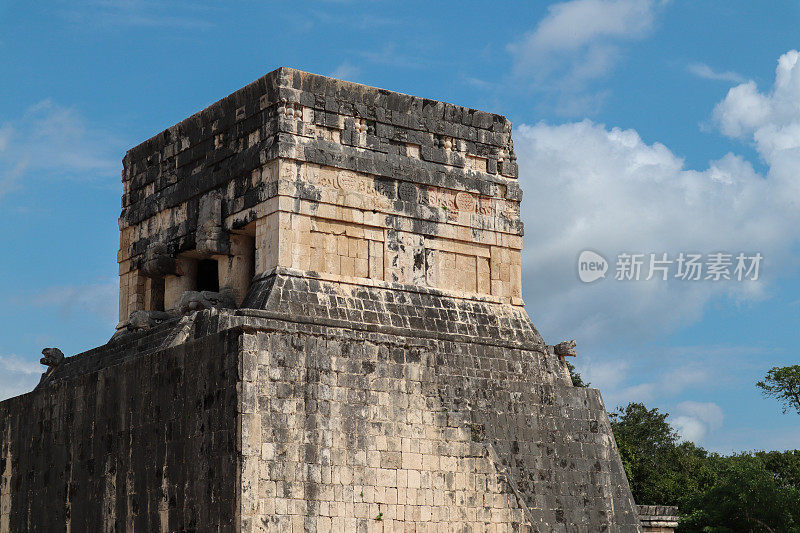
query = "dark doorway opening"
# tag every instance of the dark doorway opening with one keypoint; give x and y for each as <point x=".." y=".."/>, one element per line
<point x="157" y="294"/>
<point x="252" y="264"/>
<point x="208" y="275"/>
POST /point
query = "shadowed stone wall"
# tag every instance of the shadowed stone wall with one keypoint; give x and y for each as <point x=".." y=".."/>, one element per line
<point x="148" y="444"/>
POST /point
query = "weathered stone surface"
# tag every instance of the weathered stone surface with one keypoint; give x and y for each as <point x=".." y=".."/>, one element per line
<point x="332" y="177"/>
<point x="145" y="445"/>
<point x="158" y="261"/>
<point x="433" y="429"/>
<point x="140" y="320"/>
<point x="52" y="357"/>
<point x="321" y="329"/>
<point x="658" y="518"/>
<point x="195" y="301"/>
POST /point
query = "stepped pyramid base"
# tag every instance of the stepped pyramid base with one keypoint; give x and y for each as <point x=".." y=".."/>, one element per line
<point x="269" y="420"/>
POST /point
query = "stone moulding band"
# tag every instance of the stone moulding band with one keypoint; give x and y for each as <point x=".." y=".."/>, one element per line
<point x="367" y="282"/>
<point x="379" y="328"/>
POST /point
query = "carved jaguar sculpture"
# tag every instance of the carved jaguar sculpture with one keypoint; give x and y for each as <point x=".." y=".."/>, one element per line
<point x="52" y="357"/>
<point x="565" y="348"/>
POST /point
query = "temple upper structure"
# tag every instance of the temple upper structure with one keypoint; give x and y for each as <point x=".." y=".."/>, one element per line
<point x="331" y="179"/>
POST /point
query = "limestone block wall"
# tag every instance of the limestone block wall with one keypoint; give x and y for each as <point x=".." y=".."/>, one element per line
<point x="6" y="470"/>
<point x="355" y="425"/>
<point x="344" y="436"/>
<point x="338" y="230"/>
<point x="383" y="433"/>
<point x="329" y="409"/>
<point x="658" y="518"/>
<point x="149" y="444"/>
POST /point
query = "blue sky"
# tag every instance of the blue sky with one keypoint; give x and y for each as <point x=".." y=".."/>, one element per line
<point x="640" y="126"/>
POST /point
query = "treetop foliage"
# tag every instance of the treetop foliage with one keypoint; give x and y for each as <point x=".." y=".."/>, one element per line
<point x="783" y="384"/>
<point x="577" y="381"/>
<point x="756" y="492"/>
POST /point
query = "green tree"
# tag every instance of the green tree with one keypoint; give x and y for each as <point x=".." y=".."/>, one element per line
<point x="745" y="496"/>
<point x="783" y="383"/>
<point x="754" y="492"/>
<point x="785" y="466"/>
<point x="577" y="381"/>
<point x="645" y="440"/>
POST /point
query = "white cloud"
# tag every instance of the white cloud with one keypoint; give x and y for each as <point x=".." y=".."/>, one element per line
<point x="592" y="187"/>
<point x="99" y="299"/>
<point x="579" y="23"/>
<point x="657" y="376"/>
<point x="604" y="374"/>
<point x="115" y="14"/>
<point x="771" y="121"/>
<point x="689" y="428"/>
<point x="696" y="420"/>
<point x="50" y="140"/>
<point x="12" y="363"/>
<point x="709" y="412"/>
<point x="17" y="376"/>
<point x="346" y="71"/>
<point x="579" y="41"/>
<point x="701" y="70"/>
<point x="588" y="186"/>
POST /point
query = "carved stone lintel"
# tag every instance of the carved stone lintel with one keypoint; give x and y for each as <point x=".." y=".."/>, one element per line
<point x="158" y="262"/>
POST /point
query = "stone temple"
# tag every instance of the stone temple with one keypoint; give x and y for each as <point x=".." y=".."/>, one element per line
<point x="321" y="329"/>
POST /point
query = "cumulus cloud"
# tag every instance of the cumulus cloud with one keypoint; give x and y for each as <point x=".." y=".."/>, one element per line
<point x="701" y="70"/>
<point x="346" y="71"/>
<point x="695" y="420"/>
<point x="52" y="139"/>
<point x="604" y="189"/>
<point x="17" y="376"/>
<point x="99" y="299"/>
<point x="593" y="187"/>
<point x="770" y="120"/>
<point x="589" y="186"/>
<point x="579" y="41"/>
